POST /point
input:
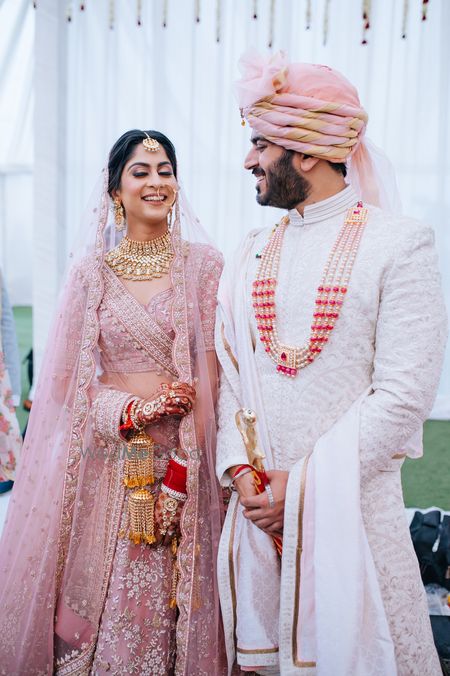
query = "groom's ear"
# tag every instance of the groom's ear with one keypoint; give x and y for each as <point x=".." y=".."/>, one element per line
<point x="306" y="162"/>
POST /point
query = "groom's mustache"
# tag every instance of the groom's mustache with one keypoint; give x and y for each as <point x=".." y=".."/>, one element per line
<point x="258" y="172"/>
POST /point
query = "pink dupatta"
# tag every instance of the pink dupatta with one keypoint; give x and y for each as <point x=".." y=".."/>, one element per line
<point x="62" y="523"/>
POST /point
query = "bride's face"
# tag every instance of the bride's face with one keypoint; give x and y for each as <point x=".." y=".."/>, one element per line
<point x="147" y="186"/>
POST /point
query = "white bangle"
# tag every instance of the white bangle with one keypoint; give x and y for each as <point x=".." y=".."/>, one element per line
<point x="270" y="496"/>
<point x="245" y="470"/>
<point x="173" y="494"/>
<point x="176" y="458"/>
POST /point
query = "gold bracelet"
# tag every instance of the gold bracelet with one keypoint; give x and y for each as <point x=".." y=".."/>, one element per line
<point x="151" y="408"/>
<point x="170" y="506"/>
<point x="134" y="412"/>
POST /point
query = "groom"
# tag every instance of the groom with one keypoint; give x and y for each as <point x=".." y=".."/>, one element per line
<point x="331" y="330"/>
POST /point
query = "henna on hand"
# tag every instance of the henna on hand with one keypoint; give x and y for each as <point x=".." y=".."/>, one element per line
<point x="175" y="399"/>
<point x="167" y="519"/>
<point x="181" y="395"/>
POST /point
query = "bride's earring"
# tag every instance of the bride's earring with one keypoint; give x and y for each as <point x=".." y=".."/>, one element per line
<point x="174" y="211"/>
<point x="119" y="214"/>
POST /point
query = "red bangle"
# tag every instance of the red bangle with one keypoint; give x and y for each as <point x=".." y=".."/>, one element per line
<point x="175" y="480"/>
<point x="177" y="468"/>
<point x="127" y="425"/>
<point x="239" y="468"/>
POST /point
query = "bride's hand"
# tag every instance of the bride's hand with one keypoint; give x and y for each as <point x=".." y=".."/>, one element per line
<point x="245" y="485"/>
<point x="175" y="399"/>
<point x="167" y="518"/>
<point x="180" y="397"/>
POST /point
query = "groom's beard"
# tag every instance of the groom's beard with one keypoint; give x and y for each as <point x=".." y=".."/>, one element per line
<point x="285" y="188"/>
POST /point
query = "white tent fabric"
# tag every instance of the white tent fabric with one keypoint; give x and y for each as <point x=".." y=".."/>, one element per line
<point x="16" y="146"/>
<point x="93" y="82"/>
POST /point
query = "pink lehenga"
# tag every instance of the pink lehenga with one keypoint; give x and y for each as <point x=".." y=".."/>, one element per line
<point x="77" y="596"/>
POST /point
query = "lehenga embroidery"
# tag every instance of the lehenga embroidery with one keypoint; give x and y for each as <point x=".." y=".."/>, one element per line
<point x="80" y="662"/>
<point x="86" y="370"/>
<point x="138" y="323"/>
<point x="188" y="546"/>
<point x="107" y="411"/>
<point x="124" y="638"/>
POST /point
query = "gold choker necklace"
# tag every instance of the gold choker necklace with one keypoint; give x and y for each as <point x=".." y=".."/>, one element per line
<point x="140" y="261"/>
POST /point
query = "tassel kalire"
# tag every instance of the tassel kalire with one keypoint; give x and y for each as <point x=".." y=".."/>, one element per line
<point x="141" y="506"/>
<point x="138" y="473"/>
<point x="139" y="465"/>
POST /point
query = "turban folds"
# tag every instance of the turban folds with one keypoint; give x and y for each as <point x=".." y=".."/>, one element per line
<point x="311" y="109"/>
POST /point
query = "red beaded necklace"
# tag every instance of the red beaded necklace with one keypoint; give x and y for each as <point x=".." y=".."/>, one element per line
<point x="330" y="293"/>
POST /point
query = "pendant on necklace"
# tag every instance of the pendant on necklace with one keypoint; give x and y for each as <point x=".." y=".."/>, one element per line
<point x="331" y="293"/>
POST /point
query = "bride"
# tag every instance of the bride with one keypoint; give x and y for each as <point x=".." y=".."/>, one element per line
<point x="108" y="557"/>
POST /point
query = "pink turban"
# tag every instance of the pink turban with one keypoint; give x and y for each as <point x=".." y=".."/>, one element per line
<point x="311" y="109"/>
<point x="301" y="106"/>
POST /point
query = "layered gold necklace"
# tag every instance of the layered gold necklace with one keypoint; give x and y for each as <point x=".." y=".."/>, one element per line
<point x="140" y="261"/>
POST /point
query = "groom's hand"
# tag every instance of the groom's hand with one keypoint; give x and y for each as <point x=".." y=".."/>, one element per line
<point x="257" y="510"/>
<point x="245" y="485"/>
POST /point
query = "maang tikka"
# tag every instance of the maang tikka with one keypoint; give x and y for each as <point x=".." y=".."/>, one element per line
<point x="150" y="144"/>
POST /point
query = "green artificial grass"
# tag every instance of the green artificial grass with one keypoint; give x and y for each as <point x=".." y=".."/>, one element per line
<point x="24" y="326"/>
<point x="426" y="482"/>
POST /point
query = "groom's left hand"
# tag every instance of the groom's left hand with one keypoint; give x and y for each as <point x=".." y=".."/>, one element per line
<point x="257" y="510"/>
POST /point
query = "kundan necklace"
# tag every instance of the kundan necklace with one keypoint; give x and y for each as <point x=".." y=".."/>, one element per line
<point x="141" y="261"/>
<point x="330" y="293"/>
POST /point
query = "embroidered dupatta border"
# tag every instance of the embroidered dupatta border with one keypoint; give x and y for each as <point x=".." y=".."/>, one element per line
<point x="188" y="547"/>
<point x="85" y="374"/>
<point x="81" y="662"/>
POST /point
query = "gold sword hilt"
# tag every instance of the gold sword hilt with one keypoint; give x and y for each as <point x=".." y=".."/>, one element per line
<point x="246" y="423"/>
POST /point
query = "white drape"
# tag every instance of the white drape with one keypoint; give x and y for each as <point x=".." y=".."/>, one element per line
<point x="179" y="80"/>
<point x="16" y="146"/>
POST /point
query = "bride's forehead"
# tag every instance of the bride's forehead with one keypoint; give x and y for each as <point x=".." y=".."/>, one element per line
<point x="152" y="158"/>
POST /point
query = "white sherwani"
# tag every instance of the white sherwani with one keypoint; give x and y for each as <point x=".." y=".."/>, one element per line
<point x="385" y="353"/>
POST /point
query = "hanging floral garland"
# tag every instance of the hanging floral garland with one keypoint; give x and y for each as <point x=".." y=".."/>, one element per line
<point x="271" y="23"/>
<point x="111" y="14"/>
<point x="326" y="21"/>
<point x="366" y="14"/>
<point x="405" y="18"/>
<point x="366" y="20"/>
<point x="308" y="15"/>
<point x="139" y="12"/>
<point x="218" y="19"/>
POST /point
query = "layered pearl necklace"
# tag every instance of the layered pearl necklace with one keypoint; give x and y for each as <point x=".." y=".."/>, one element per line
<point x="330" y="293"/>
